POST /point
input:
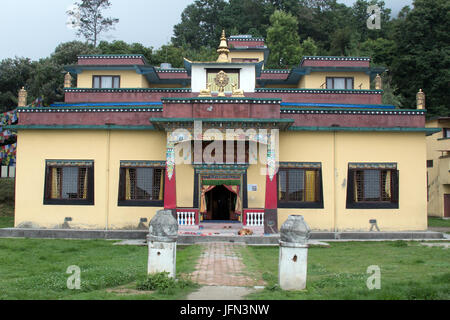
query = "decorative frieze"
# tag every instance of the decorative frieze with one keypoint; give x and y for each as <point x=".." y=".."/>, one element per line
<point x="88" y="109"/>
<point x="128" y="90"/>
<point x="221" y="100"/>
<point x="317" y="91"/>
<point x="355" y="111"/>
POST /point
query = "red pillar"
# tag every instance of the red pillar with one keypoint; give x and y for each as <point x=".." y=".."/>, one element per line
<point x="271" y="192"/>
<point x="170" y="191"/>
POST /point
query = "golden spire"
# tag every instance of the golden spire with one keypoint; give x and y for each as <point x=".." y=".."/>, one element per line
<point x="420" y="98"/>
<point x="22" y="97"/>
<point x="223" y="49"/>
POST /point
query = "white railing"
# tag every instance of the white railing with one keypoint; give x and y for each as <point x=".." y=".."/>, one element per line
<point x="186" y="218"/>
<point x="8" y="171"/>
<point x="255" y="218"/>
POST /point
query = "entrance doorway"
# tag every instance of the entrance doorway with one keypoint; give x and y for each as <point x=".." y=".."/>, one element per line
<point x="220" y="204"/>
<point x="446" y="205"/>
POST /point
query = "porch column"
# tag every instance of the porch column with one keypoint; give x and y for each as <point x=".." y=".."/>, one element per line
<point x="170" y="194"/>
<point x="271" y="201"/>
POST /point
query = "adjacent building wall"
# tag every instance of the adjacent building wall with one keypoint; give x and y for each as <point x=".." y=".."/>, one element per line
<point x="316" y="79"/>
<point x="128" y="78"/>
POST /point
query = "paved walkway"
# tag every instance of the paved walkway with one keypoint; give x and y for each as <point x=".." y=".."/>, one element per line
<point x="220" y="265"/>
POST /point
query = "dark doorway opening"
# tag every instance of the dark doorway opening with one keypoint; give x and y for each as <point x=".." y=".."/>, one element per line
<point x="220" y="203"/>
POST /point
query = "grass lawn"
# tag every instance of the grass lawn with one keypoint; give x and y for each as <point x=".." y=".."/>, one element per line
<point x="408" y="271"/>
<point x="36" y="269"/>
<point x="438" y="222"/>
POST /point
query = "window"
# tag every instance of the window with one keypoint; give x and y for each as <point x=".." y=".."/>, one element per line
<point x="372" y="186"/>
<point x="109" y="82"/>
<point x="299" y="187"/>
<point x="233" y="75"/>
<point x="446" y="133"/>
<point x="429" y="163"/>
<point x="340" y="83"/>
<point x="69" y="182"/>
<point x="141" y="184"/>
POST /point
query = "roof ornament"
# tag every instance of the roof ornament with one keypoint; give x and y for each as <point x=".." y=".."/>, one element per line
<point x="378" y="83"/>
<point x="237" y="92"/>
<point x="22" y="101"/>
<point x="223" y="49"/>
<point x="221" y="80"/>
<point x="420" y="98"/>
<point x="206" y="92"/>
<point x="67" y="80"/>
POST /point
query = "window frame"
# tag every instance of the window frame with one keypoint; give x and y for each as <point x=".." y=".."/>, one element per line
<point x="373" y="204"/>
<point x="100" y="81"/>
<point x="121" y="202"/>
<point x="345" y="78"/>
<point x="291" y="204"/>
<point x="89" y="201"/>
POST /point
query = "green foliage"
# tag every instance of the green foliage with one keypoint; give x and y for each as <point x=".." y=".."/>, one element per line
<point x="438" y="222"/>
<point x="283" y="41"/>
<point x="423" y="55"/>
<point x="409" y="271"/>
<point x="14" y="74"/>
<point x="164" y="284"/>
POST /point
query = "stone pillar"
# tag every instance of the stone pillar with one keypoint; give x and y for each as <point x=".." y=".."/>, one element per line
<point x="162" y="243"/>
<point x="22" y="98"/>
<point x="378" y="83"/>
<point x="271" y="197"/>
<point x="292" y="267"/>
<point x="420" y="99"/>
<point x="67" y="80"/>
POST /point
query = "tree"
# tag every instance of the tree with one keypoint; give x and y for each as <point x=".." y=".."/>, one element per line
<point x="283" y="40"/>
<point x="423" y="55"/>
<point x="14" y="74"/>
<point x="88" y="19"/>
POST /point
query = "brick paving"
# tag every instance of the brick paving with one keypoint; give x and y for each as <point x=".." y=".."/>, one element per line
<point x="220" y="265"/>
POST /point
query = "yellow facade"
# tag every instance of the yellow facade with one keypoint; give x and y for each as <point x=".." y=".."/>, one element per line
<point x="333" y="150"/>
<point x="317" y="80"/>
<point x="128" y="78"/>
<point x="439" y="173"/>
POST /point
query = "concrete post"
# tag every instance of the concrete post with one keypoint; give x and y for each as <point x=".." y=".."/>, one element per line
<point x="292" y="267"/>
<point x="162" y="243"/>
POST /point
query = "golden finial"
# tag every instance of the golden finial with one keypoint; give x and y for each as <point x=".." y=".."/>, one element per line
<point x="378" y="83"/>
<point x="67" y="80"/>
<point x="420" y="99"/>
<point x="22" y="97"/>
<point x="223" y="49"/>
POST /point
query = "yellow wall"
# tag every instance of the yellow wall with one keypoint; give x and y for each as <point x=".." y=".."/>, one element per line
<point x="37" y="146"/>
<point x="128" y="78"/>
<point x="408" y="150"/>
<point x="438" y="175"/>
<point x="333" y="150"/>
<point x="246" y="55"/>
<point x="316" y="79"/>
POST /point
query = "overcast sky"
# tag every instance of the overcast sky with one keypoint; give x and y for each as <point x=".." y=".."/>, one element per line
<point x="33" y="28"/>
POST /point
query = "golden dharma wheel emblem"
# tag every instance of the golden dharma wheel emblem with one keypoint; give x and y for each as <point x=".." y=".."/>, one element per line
<point x="221" y="80"/>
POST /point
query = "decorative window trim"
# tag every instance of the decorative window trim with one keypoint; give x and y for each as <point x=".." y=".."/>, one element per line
<point x="100" y="81"/>
<point x="345" y="80"/>
<point x="140" y="164"/>
<point x="89" y="164"/>
<point x="393" y="204"/>
<point x="316" y="166"/>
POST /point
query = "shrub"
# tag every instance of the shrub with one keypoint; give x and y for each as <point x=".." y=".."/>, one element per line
<point x="162" y="283"/>
<point x="7" y="190"/>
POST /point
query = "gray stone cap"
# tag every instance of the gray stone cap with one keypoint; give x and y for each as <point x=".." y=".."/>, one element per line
<point x="293" y="245"/>
<point x="295" y="230"/>
<point x="163" y="226"/>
